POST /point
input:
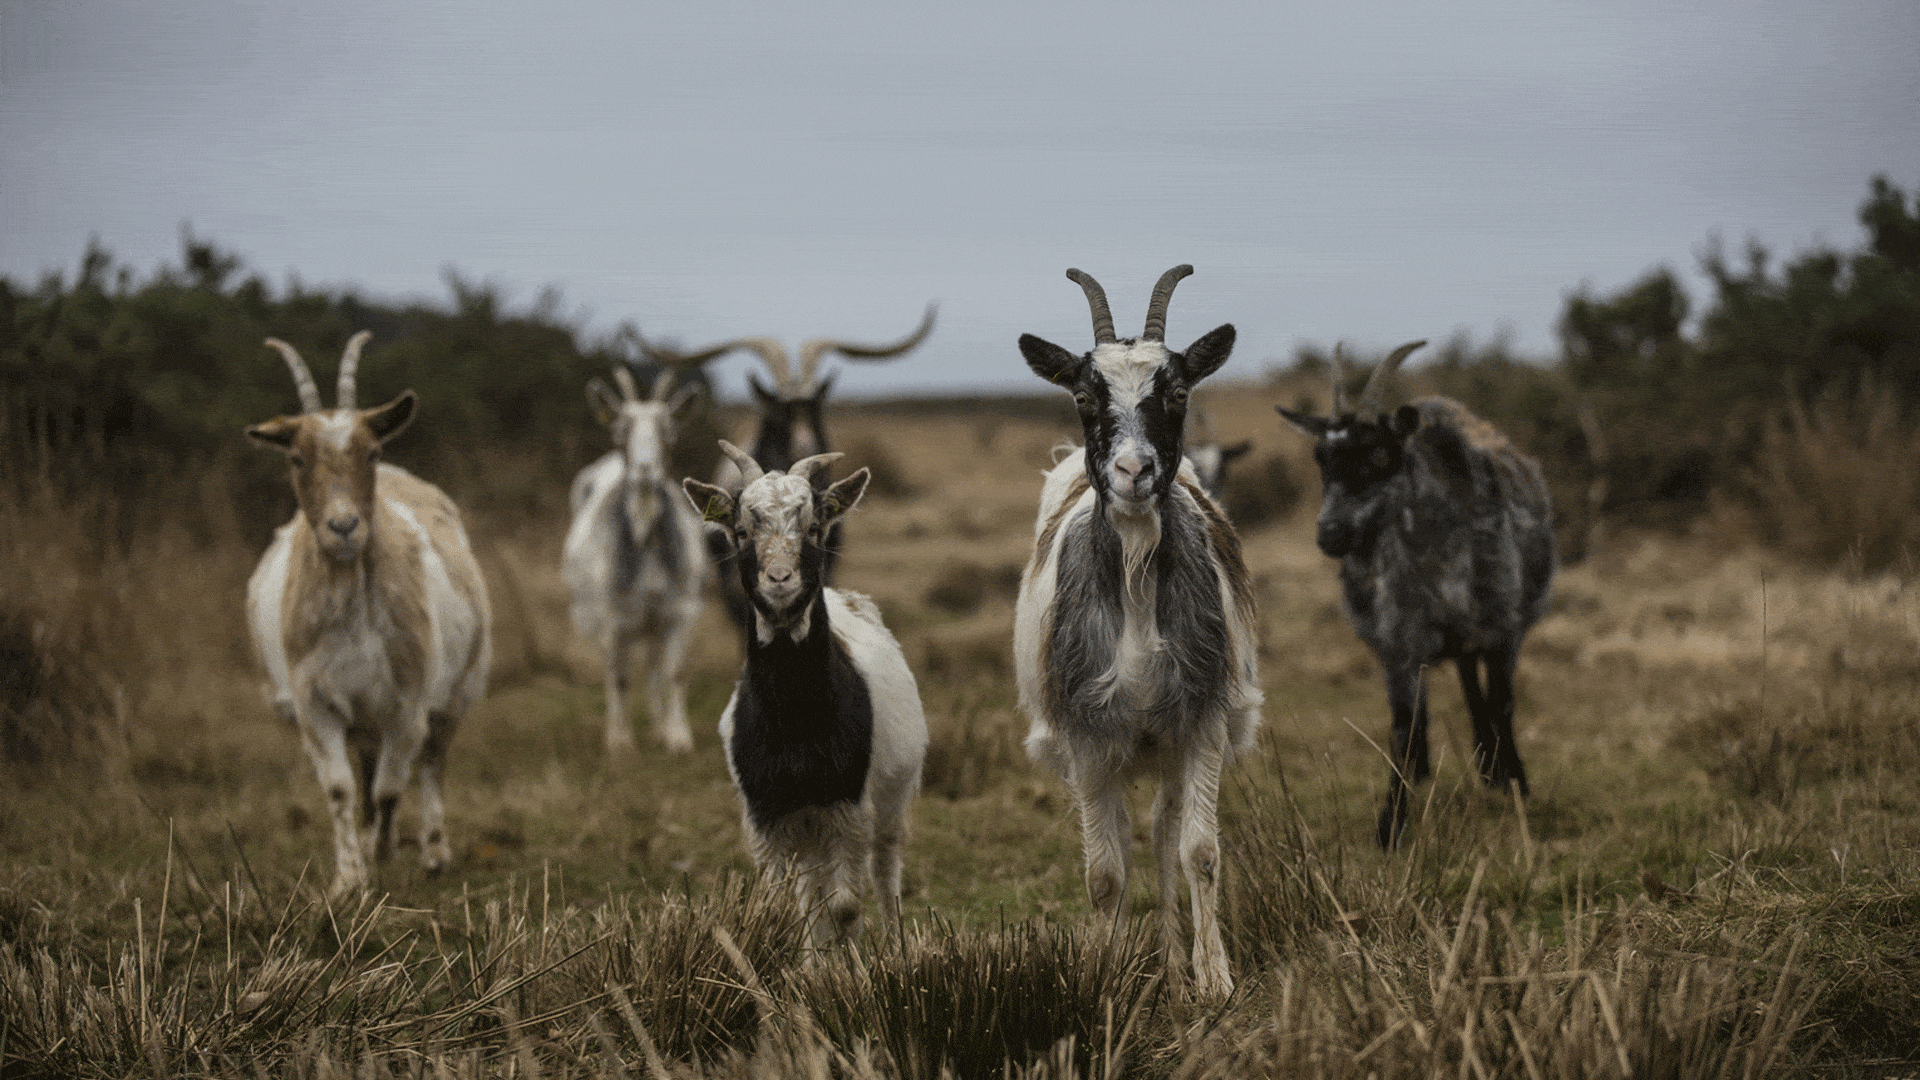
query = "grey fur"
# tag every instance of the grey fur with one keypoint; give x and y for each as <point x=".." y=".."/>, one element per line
<point x="1445" y="535"/>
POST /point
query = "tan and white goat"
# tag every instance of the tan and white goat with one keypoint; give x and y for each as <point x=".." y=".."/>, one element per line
<point x="370" y="615"/>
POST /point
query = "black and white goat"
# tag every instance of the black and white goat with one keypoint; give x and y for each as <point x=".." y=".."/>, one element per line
<point x="1134" y="637"/>
<point x="824" y="734"/>
<point x="1444" y="533"/>
<point x="370" y="615"/>
<point x="792" y="423"/>
<point x="635" y="560"/>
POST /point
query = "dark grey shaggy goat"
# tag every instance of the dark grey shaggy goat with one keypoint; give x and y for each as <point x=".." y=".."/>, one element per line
<point x="1444" y="534"/>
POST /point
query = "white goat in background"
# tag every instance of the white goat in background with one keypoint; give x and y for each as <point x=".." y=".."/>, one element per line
<point x="635" y="558"/>
<point x="370" y="615"/>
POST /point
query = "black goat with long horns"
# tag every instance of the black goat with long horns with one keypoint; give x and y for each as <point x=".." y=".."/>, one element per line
<point x="1444" y="534"/>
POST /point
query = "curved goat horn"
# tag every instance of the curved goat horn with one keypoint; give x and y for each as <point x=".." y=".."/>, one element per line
<point x="674" y="358"/>
<point x="807" y="466"/>
<point x="661" y="384"/>
<point x="302" y="378"/>
<point x="1097" y="300"/>
<point x="1157" y="306"/>
<point x="345" y="392"/>
<point x="750" y="469"/>
<point x="1378" y="381"/>
<point x="624" y="380"/>
<point x="812" y="351"/>
<point x="774" y="355"/>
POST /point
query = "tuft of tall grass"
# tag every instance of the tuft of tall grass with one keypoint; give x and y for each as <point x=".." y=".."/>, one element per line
<point x="1837" y="482"/>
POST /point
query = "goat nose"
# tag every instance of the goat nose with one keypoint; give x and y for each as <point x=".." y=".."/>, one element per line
<point x="343" y="526"/>
<point x="1134" y="466"/>
<point x="779" y="575"/>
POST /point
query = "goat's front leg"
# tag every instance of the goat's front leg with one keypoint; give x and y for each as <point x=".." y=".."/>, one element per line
<point x="400" y="747"/>
<point x="435" y="852"/>
<point x="1168" y="813"/>
<point x="1505" y="752"/>
<point x="1200" y="856"/>
<point x="1403" y="698"/>
<point x="1107" y="833"/>
<point x="617" y="648"/>
<point x="323" y="733"/>
<point x="667" y="688"/>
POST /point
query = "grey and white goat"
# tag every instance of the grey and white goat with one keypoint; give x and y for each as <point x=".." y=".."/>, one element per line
<point x="635" y="560"/>
<point x="824" y="733"/>
<point x="370" y="615"/>
<point x="1134" y="637"/>
<point x="1444" y="533"/>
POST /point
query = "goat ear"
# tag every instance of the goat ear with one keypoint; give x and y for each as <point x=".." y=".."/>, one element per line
<point x="823" y="388"/>
<point x="765" y="396"/>
<point x="603" y="400"/>
<point x="1404" y="421"/>
<point x="712" y="503"/>
<point x="683" y="399"/>
<point x="1205" y="356"/>
<point x="1050" y="361"/>
<point x="277" y="432"/>
<point x="843" y="496"/>
<point x="392" y="418"/>
<point x="1237" y="450"/>
<point x="1311" y="426"/>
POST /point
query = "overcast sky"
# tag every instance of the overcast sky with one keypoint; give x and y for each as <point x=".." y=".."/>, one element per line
<point x="1372" y="172"/>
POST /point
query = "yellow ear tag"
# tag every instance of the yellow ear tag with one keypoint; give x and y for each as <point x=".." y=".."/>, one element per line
<point x="832" y="506"/>
<point x="717" y="509"/>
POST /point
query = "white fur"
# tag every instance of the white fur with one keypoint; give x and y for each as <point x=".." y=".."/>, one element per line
<point x="658" y="609"/>
<point x="343" y="690"/>
<point x="1185" y="829"/>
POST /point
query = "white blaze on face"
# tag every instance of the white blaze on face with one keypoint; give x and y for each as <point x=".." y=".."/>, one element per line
<point x="777" y="513"/>
<point x="644" y="431"/>
<point x="1129" y="371"/>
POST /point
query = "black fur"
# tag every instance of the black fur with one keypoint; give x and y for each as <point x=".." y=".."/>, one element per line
<point x="1445" y="536"/>
<point x="802" y="724"/>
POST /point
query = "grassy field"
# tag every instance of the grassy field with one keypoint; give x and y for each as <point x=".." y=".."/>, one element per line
<point x="1718" y="873"/>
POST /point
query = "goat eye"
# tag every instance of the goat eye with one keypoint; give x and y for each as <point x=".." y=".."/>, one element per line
<point x="297" y="461"/>
<point x="1380" y="457"/>
<point x="1179" y="397"/>
<point x="1083" y="401"/>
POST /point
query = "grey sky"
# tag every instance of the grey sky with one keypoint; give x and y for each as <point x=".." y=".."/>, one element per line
<point x="1372" y="172"/>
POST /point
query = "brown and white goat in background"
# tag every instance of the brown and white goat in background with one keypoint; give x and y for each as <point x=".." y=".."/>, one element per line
<point x="635" y="559"/>
<point x="370" y="615"/>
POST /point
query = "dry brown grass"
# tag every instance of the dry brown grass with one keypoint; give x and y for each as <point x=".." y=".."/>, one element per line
<point x="1714" y="877"/>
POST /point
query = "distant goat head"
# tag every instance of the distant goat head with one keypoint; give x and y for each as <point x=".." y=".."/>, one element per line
<point x="1131" y="393"/>
<point x="777" y="525"/>
<point x="1359" y="451"/>
<point x="643" y="428"/>
<point x="334" y="452"/>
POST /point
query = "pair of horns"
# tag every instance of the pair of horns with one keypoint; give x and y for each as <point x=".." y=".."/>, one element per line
<point x="624" y="379"/>
<point x="345" y="391"/>
<point x="750" y="469"/>
<point x="1156" y="306"/>
<point x="1370" y="394"/>
<point x="787" y="381"/>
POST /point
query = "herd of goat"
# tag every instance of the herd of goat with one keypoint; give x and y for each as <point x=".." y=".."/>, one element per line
<point x="1134" y="637"/>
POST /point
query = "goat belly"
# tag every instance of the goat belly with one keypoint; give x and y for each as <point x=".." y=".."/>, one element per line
<point x="802" y="739"/>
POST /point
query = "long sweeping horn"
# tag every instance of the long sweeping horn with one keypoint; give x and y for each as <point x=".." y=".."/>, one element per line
<point x="806" y="467"/>
<point x="302" y="378"/>
<point x="345" y="391"/>
<point x="750" y="469"/>
<point x="774" y="355"/>
<point x="812" y="351"/>
<point x="624" y="380"/>
<point x="1369" y="397"/>
<point x="1157" y="306"/>
<point x="674" y="358"/>
<point x="1097" y="300"/>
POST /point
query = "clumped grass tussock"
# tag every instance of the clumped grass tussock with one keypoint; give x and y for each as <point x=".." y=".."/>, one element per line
<point x="1837" y="482"/>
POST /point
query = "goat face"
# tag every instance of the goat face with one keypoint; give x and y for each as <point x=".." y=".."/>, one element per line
<point x="776" y="528"/>
<point x="1131" y="395"/>
<point x="643" y="429"/>
<point x="791" y="426"/>
<point x="334" y="455"/>
<point x="1358" y="460"/>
